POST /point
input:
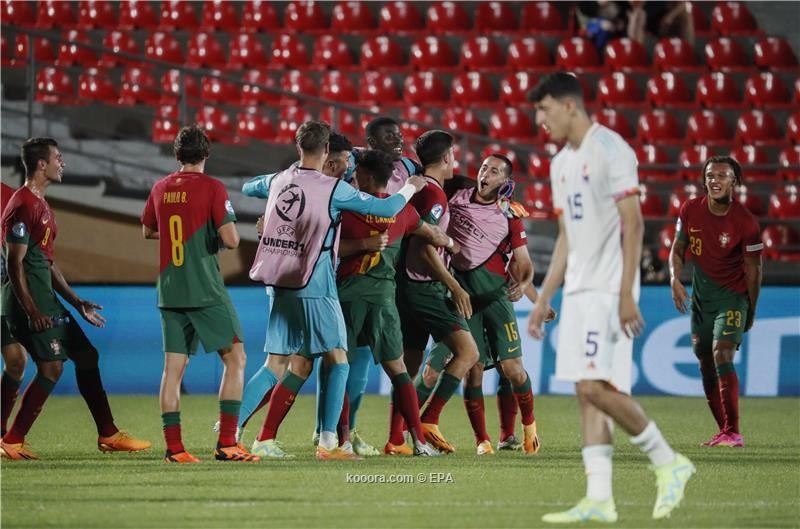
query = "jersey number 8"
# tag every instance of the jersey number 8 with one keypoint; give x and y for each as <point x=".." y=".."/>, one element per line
<point x="176" y="237"/>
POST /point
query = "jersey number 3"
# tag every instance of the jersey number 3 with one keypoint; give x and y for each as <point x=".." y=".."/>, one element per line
<point x="176" y="237"/>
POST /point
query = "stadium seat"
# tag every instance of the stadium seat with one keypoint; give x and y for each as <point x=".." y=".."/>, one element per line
<point x="718" y="90"/>
<point x="178" y="15"/>
<point x="70" y="52"/>
<point x="418" y="114"/>
<point x="542" y="18"/>
<point x="665" y="237"/>
<point x="691" y="160"/>
<point x="217" y="124"/>
<point x="424" y="88"/>
<point x="96" y="14"/>
<point x="291" y="117"/>
<point x="8" y="59"/>
<point x="382" y="53"/>
<point x="399" y="17"/>
<point x="253" y="124"/>
<point x="538" y="199"/>
<point x="461" y="119"/>
<point x="353" y="17"/>
<point x="749" y="200"/>
<point x="748" y="156"/>
<point x="447" y="17"/>
<point x="793" y="128"/>
<point x="260" y="16"/>
<point x="660" y="127"/>
<point x="54" y="14"/>
<point x="482" y="54"/>
<point x="472" y="88"/>
<point x="789" y="163"/>
<point x="781" y="243"/>
<point x="538" y="166"/>
<point x="466" y="162"/>
<point x="514" y="88"/>
<point x="254" y="93"/>
<point x="305" y="16"/>
<point x="297" y="82"/>
<point x="650" y="155"/>
<point x="527" y="54"/>
<point x="577" y="54"/>
<point x="162" y="46"/>
<point x="679" y="195"/>
<point x="733" y="18"/>
<point x="708" y="127"/>
<point x="331" y="52"/>
<point x="618" y="90"/>
<point x="650" y="203"/>
<point x="668" y="90"/>
<point x="116" y="42"/>
<point x="495" y="17"/>
<point x="626" y="55"/>
<point x="702" y="26"/>
<point x="676" y="55"/>
<point x="768" y="90"/>
<point x="18" y="13"/>
<point x="205" y="51"/>
<point x="246" y="52"/>
<point x="138" y="85"/>
<point x="171" y="89"/>
<point x="43" y="50"/>
<point x="784" y="203"/>
<point x="137" y="14"/>
<point x="165" y="128"/>
<point x="432" y="53"/>
<point x="727" y="55"/>
<point x="337" y="86"/>
<point x="797" y="91"/>
<point x="773" y="53"/>
<point x="216" y="90"/>
<point x="341" y="121"/>
<point x="511" y="124"/>
<point x="616" y="121"/>
<point x="95" y="85"/>
<point x="288" y="51"/>
<point x="377" y="88"/>
<point x="220" y="15"/>
<point x="756" y="127"/>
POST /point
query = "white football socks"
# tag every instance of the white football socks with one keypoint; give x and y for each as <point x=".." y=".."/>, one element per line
<point x="651" y="442"/>
<point x="597" y="462"/>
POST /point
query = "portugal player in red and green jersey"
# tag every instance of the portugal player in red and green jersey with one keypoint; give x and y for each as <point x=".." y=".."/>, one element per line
<point x="191" y="216"/>
<point x="724" y="240"/>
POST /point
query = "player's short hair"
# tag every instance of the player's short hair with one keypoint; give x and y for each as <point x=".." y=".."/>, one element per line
<point x="729" y="160"/>
<point x="312" y="136"/>
<point x="378" y="164"/>
<point x="381" y="121"/>
<point x="339" y="142"/>
<point x="432" y="145"/>
<point x="557" y="85"/>
<point x="506" y="160"/>
<point x="35" y="149"/>
<point x="191" y="145"/>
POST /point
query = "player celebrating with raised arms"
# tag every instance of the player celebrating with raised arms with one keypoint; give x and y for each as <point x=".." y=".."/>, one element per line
<point x="724" y="240"/>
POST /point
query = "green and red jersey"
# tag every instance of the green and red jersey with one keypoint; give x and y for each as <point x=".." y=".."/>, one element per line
<point x="187" y="209"/>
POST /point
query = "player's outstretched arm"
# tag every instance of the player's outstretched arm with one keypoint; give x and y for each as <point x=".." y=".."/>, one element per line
<point x="87" y="309"/>
<point x="752" y="274"/>
<point x="676" y="261"/>
<point x="375" y="243"/>
<point x="521" y="270"/>
<point x="440" y="272"/>
<point x="229" y="235"/>
<point x="630" y="213"/>
<point x="37" y="320"/>
<point x="436" y="236"/>
<point x="553" y="280"/>
<point x="346" y="198"/>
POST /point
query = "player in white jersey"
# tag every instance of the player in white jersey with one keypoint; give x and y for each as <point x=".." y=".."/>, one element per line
<point x="596" y="255"/>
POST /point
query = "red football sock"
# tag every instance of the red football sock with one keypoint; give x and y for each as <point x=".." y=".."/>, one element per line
<point x="711" y="388"/>
<point x="473" y="402"/>
<point x="32" y="402"/>
<point x="9" y="391"/>
<point x="228" y="419"/>
<point x="343" y="427"/>
<point x="261" y="404"/>
<point x="447" y="386"/>
<point x="507" y="409"/>
<point x="91" y="387"/>
<point x="396" y="422"/>
<point x="172" y="436"/>
<point x="525" y="402"/>
<point x="729" y="396"/>
<point x="409" y="406"/>
<point x="283" y="396"/>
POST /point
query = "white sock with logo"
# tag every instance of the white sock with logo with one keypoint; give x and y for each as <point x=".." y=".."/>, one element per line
<point x="651" y="442"/>
<point x="597" y="462"/>
<point x="328" y="440"/>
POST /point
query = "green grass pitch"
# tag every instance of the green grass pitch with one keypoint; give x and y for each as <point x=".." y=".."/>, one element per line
<point x="74" y="485"/>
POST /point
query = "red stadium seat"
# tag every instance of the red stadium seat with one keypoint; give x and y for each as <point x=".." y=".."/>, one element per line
<point x="718" y="90"/>
<point x="116" y="42"/>
<point x="254" y="125"/>
<point x="733" y="18"/>
<point x="482" y="54"/>
<point x="749" y="200"/>
<point x="615" y="121"/>
<point x="529" y="54"/>
<point x="342" y="121"/>
<point x="376" y="88"/>
<point x="789" y="163"/>
<point x="331" y="52"/>
<point x="288" y="51"/>
<point x="797" y="91"/>
<point x="260" y="16"/>
<point x="96" y="14"/>
<point x="95" y="85"/>
<point x="781" y="243"/>
<point x="297" y="82"/>
<point x="401" y="18"/>
<point x="538" y="200"/>
<point x="619" y="90"/>
<point x="382" y="53"/>
<point x="254" y="93"/>
<point x="447" y="17"/>
<point x="626" y="55"/>
<point x="8" y="60"/>
<point x="461" y="119"/>
<point x="758" y="128"/>
<point x="205" y="51"/>
<point x="18" y="13"/>
<point x="217" y="124"/>
<point x="137" y="14"/>
<point x="138" y="85"/>
<point x="171" y="91"/>
<point x="650" y="155"/>
<point x="665" y="237"/>
<point x="726" y="54"/>
<point x="774" y="53"/>
<point x="216" y="90"/>
<point x="178" y="15"/>
<point x="538" y="166"/>
<point x="246" y="52"/>
<point x="220" y="15"/>
<point x="415" y="113"/>
<point x="466" y="162"/>
<point x="702" y="26"/>
<point x="650" y="203"/>
<point x="163" y="46"/>
<point x="680" y="195"/>
<point x="43" y="50"/>
<point x="432" y="53"/>
<point x="577" y="54"/>
<point x="676" y="55"/>
<point x="708" y="127"/>
<point x="337" y="86"/>
<point x="55" y="14"/>
<point x="514" y="88"/>
<point x="784" y="203"/>
<point x="291" y="117"/>
<point x="668" y="90"/>
<point x="424" y="88"/>
<point x="165" y="130"/>
<point x="766" y="89"/>
<point x="473" y="88"/>
<point x="793" y="128"/>
<point x="71" y="53"/>
<point x="542" y="18"/>
<point x="511" y="124"/>
<point x="660" y="127"/>
<point x="692" y="159"/>
<point x="749" y="155"/>
<point x="495" y="17"/>
<point x="353" y="17"/>
<point x="305" y="16"/>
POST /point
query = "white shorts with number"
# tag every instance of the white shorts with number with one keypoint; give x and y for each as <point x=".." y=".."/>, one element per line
<point x="591" y="345"/>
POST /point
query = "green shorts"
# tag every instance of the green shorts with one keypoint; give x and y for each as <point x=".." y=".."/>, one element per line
<point x="6" y="335"/>
<point x="725" y="322"/>
<point x="61" y="342"/>
<point x="426" y="310"/>
<point x="373" y="324"/>
<point x="217" y="326"/>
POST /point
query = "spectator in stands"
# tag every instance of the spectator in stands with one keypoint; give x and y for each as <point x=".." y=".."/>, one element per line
<point x="653" y="269"/>
<point x="660" y="19"/>
<point x="602" y="21"/>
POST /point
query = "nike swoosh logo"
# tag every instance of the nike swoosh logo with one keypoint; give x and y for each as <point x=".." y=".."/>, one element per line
<point x="727" y="333"/>
<point x="694" y="230"/>
<point x="511" y="350"/>
<point x="44" y="222"/>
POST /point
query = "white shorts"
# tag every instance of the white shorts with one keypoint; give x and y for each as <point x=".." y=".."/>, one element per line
<point x="591" y="345"/>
